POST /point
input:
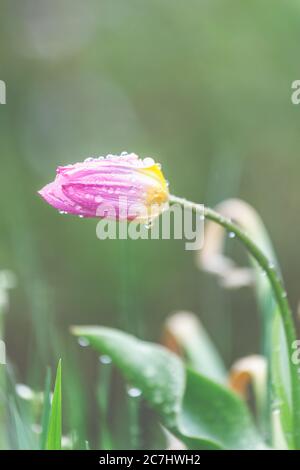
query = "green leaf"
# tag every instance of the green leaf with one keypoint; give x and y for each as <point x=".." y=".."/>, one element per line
<point x="55" y="422"/>
<point x="200" y="412"/>
<point x="196" y="345"/>
<point x="46" y="410"/>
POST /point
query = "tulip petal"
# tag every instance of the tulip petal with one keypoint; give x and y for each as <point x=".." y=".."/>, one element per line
<point x="117" y="181"/>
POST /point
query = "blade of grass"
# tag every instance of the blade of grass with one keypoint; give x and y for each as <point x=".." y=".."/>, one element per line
<point x="22" y="434"/>
<point x="103" y="396"/>
<point x="55" y="421"/>
<point x="46" y="410"/>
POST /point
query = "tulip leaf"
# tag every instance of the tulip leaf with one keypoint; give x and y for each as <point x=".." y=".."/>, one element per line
<point x="55" y="420"/>
<point x="200" y="412"/>
<point x="197" y="347"/>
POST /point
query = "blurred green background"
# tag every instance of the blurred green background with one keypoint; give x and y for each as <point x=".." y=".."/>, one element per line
<point x="203" y="86"/>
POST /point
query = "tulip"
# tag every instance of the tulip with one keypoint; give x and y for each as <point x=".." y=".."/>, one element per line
<point x="120" y="187"/>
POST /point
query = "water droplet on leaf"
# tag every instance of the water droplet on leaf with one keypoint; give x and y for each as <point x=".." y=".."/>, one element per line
<point x="84" y="342"/>
<point x="134" y="392"/>
<point x="105" y="359"/>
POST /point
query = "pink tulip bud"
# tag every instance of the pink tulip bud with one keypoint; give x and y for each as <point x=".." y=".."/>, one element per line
<point x="121" y="187"/>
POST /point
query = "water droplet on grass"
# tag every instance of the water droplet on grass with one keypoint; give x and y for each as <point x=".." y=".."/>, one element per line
<point x="134" y="392"/>
<point x="231" y="235"/>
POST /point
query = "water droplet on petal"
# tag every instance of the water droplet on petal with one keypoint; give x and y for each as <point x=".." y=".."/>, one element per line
<point x="148" y="161"/>
<point x="149" y="225"/>
<point x="84" y="342"/>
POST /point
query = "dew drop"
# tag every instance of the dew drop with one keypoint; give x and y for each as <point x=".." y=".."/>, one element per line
<point x="149" y="225"/>
<point x="80" y="216"/>
<point x="105" y="359"/>
<point x="84" y="342"/>
<point x="231" y="235"/>
<point x="134" y="392"/>
<point x="62" y="212"/>
<point x="89" y="159"/>
<point x="24" y="392"/>
<point x="148" y="161"/>
<point x="124" y="153"/>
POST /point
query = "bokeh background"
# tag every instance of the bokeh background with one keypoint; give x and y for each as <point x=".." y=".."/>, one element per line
<point x="203" y="86"/>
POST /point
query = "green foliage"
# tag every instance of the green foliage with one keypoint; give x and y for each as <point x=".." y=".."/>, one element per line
<point x="200" y="412"/>
<point x="55" y="420"/>
<point x="46" y="410"/>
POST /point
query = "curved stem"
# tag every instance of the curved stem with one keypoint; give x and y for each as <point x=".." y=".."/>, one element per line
<point x="279" y="295"/>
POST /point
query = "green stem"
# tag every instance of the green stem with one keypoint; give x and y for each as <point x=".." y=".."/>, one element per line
<point x="278" y="292"/>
